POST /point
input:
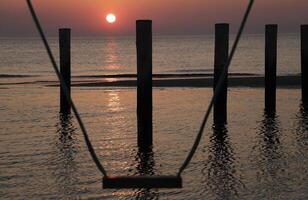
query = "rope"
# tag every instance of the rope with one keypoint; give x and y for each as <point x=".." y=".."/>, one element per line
<point x="217" y="89"/>
<point x="64" y="88"/>
<point x="83" y="129"/>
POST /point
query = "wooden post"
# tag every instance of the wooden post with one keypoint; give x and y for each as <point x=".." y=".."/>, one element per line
<point x="221" y="57"/>
<point x="270" y="67"/>
<point x="304" y="63"/>
<point x="144" y="82"/>
<point x="65" y="67"/>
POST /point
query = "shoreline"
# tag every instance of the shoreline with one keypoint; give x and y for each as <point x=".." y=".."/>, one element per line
<point x="233" y="81"/>
<point x="182" y="80"/>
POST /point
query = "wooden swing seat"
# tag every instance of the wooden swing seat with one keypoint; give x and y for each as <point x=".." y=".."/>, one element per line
<point x="121" y="182"/>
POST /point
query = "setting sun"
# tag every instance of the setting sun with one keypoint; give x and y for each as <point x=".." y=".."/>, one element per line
<point x="111" y="18"/>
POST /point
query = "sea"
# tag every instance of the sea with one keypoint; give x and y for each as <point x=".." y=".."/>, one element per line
<point x="43" y="155"/>
<point x="171" y="54"/>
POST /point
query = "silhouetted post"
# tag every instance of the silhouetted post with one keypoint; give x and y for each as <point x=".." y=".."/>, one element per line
<point x="304" y="63"/>
<point x="270" y="67"/>
<point x="144" y="82"/>
<point x="65" y="67"/>
<point x="221" y="57"/>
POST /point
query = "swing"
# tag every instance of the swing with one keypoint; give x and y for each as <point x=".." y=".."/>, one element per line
<point x="119" y="182"/>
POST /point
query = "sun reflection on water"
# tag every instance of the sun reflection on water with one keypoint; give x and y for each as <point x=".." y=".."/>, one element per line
<point x="114" y="103"/>
<point x="117" y="147"/>
<point x="112" y="56"/>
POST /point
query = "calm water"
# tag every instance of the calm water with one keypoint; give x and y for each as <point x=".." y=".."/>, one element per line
<point x="172" y="54"/>
<point x="43" y="154"/>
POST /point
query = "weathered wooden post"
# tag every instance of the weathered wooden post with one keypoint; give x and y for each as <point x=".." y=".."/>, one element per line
<point x="270" y="67"/>
<point x="221" y="57"/>
<point x="144" y="82"/>
<point x="304" y="63"/>
<point x="65" y="67"/>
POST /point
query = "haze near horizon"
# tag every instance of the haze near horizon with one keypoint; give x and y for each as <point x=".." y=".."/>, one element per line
<point x="172" y="17"/>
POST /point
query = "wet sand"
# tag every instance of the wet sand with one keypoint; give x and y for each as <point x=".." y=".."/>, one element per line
<point x="233" y="81"/>
<point x="162" y="80"/>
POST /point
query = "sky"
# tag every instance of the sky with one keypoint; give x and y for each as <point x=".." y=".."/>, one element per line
<point x="170" y="17"/>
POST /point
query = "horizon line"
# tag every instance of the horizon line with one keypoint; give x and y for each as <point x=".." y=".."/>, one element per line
<point x="133" y="35"/>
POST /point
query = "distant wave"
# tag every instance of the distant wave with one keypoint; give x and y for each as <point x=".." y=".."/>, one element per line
<point x="163" y="75"/>
<point x="191" y="70"/>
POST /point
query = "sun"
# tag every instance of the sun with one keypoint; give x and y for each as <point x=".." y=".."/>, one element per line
<point x="111" y="18"/>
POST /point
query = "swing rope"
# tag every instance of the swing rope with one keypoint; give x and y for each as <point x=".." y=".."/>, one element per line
<point x="64" y="88"/>
<point x="218" y="89"/>
<point x="76" y="113"/>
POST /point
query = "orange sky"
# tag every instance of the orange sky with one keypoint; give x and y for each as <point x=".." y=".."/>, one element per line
<point x="87" y="17"/>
